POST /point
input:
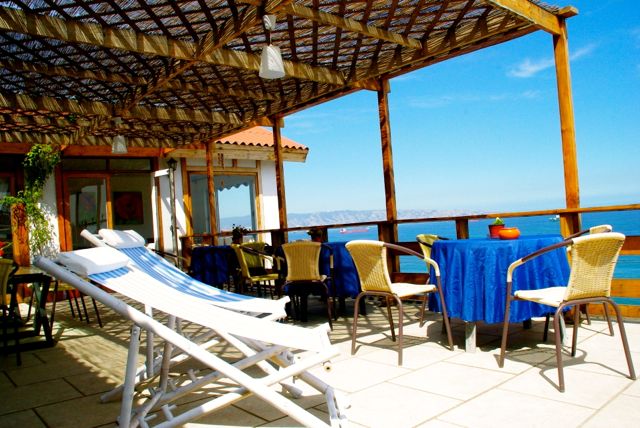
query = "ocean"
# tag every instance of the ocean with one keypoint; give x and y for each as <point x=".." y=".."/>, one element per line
<point x="627" y="222"/>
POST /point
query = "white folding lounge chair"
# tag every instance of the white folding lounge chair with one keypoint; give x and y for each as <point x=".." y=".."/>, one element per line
<point x="260" y="339"/>
<point x="132" y="244"/>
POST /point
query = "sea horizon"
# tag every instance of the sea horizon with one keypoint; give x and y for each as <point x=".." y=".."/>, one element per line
<point x="626" y="222"/>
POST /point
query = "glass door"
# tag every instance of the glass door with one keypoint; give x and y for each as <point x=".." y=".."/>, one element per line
<point x="235" y="202"/>
<point x="87" y="206"/>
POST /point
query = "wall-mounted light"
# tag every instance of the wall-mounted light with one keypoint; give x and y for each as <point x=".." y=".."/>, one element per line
<point x="118" y="142"/>
<point x="172" y="163"/>
<point x="271" y="65"/>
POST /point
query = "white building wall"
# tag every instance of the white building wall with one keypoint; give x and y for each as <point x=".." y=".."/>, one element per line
<point x="48" y="203"/>
<point x="269" y="195"/>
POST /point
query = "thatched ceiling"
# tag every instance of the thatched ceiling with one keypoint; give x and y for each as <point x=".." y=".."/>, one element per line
<point x="181" y="72"/>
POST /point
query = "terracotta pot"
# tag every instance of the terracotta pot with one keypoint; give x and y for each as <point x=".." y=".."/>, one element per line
<point x="494" y="229"/>
<point x="509" y="233"/>
<point x="20" y="235"/>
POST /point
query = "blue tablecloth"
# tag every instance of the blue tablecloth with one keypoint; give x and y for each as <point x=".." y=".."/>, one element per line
<point x="345" y="275"/>
<point x="474" y="275"/>
<point x="212" y="264"/>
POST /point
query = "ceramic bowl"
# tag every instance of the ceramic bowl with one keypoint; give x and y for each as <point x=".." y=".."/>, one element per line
<point x="509" y="233"/>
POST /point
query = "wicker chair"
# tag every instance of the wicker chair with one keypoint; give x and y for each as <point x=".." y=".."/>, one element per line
<point x="426" y="243"/>
<point x="252" y="270"/>
<point x="304" y="278"/>
<point x="602" y="228"/>
<point x="370" y="258"/>
<point x="593" y="260"/>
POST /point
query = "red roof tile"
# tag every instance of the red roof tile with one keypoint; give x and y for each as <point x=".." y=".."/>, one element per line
<point x="261" y="137"/>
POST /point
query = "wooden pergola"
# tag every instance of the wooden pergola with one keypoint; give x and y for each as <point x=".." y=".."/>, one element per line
<point x="183" y="74"/>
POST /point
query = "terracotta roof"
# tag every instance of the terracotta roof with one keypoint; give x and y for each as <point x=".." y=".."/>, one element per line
<point x="260" y="137"/>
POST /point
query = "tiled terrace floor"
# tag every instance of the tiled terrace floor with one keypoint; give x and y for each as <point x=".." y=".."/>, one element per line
<point x="436" y="387"/>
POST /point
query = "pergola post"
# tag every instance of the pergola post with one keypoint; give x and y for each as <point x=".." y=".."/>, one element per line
<point x="570" y="223"/>
<point x="213" y="227"/>
<point x="388" y="233"/>
<point x="282" y="200"/>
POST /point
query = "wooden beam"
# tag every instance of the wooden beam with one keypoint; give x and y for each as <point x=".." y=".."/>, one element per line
<point x="210" y="156"/>
<point x="387" y="156"/>
<point x="73" y="73"/>
<point x="298" y="70"/>
<point x="114" y="38"/>
<point x="532" y="13"/>
<point x="27" y="103"/>
<point x="129" y="80"/>
<point x="177" y="114"/>
<point x="567" y="120"/>
<point x="279" y="161"/>
<point x="352" y="25"/>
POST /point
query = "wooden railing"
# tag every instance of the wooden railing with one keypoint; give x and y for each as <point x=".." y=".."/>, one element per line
<point x="569" y="222"/>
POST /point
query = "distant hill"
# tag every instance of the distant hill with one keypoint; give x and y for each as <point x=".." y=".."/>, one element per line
<point x="358" y="216"/>
<point x="343" y="216"/>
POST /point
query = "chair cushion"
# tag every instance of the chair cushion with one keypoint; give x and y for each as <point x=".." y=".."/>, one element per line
<point x="551" y="296"/>
<point x="403" y="289"/>
<point x="122" y="238"/>
<point x="93" y="260"/>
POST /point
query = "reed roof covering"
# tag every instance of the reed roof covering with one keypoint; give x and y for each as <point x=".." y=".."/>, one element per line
<point x="182" y="72"/>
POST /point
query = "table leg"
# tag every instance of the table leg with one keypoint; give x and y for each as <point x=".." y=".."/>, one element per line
<point x="469" y="336"/>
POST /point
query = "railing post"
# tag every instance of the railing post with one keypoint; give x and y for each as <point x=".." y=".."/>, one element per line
<point x="570" y="223"/>
<point x="387" y="232"/>
<point x="277" y="238"/>
<point x="462" y="228"/>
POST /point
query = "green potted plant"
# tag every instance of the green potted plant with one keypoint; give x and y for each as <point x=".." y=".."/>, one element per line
<point x="495" y="227"/>
<point x="28" y="214"/>
<point x="237" y="233"/>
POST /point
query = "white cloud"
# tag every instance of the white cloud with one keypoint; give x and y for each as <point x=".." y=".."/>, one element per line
<point x="529" y="68"/>
<point x="445" y="100"/>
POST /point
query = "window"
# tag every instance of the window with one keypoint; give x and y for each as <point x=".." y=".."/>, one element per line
<point x="235" y="202"/>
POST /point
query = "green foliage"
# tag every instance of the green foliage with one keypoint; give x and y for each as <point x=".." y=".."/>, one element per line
<point x="238" y="231"/>
<point x="498" y="221"/>
<point x="39" y="163"/>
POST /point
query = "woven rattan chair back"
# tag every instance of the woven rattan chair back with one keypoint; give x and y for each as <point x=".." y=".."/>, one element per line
<point x="426" y="242"/>
<point x="370" y="258"/>
<point x="303" y="260"/>
<point x="593" y="260"/>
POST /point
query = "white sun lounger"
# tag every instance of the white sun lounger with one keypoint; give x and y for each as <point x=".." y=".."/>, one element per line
<point x="132" y="244"/>
<point x="270" y="341"/>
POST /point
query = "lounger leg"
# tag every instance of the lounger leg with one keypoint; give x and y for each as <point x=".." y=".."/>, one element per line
<point x="130" y="378"/>
<point x="150" y="357"/>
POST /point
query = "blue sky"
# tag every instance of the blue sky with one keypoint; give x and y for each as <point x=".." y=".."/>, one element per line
<point x="481" y="132"/>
